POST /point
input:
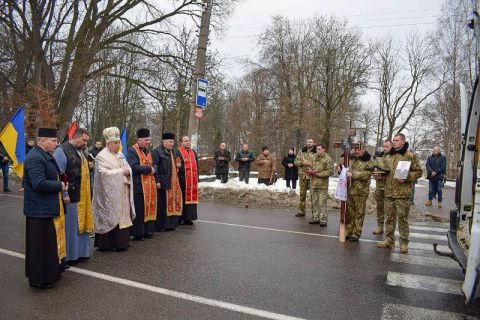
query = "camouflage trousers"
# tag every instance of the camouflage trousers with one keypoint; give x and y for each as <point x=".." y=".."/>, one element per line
<point x="319" y="204"/>
<point x="397" y="209"/>
<point x="304" y="186"/>
<point x="355" y="215"/>
<point x="380" y="200"/>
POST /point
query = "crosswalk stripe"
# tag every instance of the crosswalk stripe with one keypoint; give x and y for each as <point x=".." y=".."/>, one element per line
<point x="425" y="236"/>
<point x="424" y="261"/>
<point x="421" y="228"/>
<point x="425" y="246"/>
<point x="415" y="281"/>
<point x="404" y="312"/>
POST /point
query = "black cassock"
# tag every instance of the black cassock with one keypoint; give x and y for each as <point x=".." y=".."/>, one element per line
<point x="41" y="256"/>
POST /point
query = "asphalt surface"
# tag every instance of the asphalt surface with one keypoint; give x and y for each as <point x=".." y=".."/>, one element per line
<point x="270" y="261"/>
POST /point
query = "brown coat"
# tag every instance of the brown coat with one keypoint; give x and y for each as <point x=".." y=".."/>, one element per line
<point x="266" y="166"/>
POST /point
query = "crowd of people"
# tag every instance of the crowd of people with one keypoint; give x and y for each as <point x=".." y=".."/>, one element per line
<point x="72" y="194"/>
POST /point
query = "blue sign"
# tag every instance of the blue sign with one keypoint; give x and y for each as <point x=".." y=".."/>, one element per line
<point x="201" y="99"/>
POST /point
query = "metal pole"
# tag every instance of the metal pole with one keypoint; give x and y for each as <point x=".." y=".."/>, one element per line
<point x="199" y="70"/>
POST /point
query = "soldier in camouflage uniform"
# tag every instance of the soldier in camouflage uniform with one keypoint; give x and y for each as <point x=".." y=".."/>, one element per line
<point x="398" y="193"/>
<point x="322" y="168"/>
<point x="380" y="176"/>
<point x="303" y="162"/>
<point x="359" y="172"/>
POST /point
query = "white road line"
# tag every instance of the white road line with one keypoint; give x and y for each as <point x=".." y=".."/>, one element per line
<point x="415" y="281"/>
<point x="426" y="246"/>
<point x="425" y="236"/>
<point x="421" y="228"/>
<point x="404" y="312"/>
<point x="424" y="261"/>
<point x="11" y="195"/>
<point x="277" y="230"/>
<point x="171" y="293"/>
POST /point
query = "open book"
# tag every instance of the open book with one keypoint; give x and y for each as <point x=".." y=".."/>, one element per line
<point x="401" y="172"/>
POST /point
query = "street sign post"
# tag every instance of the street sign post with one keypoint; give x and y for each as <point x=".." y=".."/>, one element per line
<point x="201" y="96"/>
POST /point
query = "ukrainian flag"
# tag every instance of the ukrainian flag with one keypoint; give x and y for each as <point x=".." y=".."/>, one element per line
<point x="123" y="142"/>
<point x="13" y="140"/>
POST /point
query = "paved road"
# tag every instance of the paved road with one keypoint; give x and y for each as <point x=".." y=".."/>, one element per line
<point x="240" y="264"/>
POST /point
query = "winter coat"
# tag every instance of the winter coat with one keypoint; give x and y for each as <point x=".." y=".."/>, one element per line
<point x="3" y="153"/>
<point x="361" y="169"/>
<point x="221" y="166"/>
<point x="323" y="167"/>
<point x="266" y="166"/>
<point x="42" y="185"/>
<point x="437" y="163"/>
<point x="137" y="169"/>
<point x="244" y="165"/>
<point x="162" y="163"/>
<point x="305" y="154"/>
<point x="394" y="188"/>
<point x="290" y="173"/>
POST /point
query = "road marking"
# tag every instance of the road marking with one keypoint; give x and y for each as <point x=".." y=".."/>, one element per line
<point x="425" y="236"/>
<point x="403" y="312"/>
<point x="426" y="246"/>
<point x="415" y="281"/>
<point x="11" y="195"/>
<point x="421" y="228"/>
<point x="277" y="230"/>
<point x="424" y="261"/>
<point x="171" y="293"/>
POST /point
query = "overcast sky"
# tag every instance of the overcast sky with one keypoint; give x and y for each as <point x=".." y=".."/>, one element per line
<point x="375" y="17"/>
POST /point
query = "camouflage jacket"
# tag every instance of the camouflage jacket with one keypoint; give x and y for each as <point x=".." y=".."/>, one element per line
<point x="323" y="165"/>
<point x="379" y="165"/>
<point x="394" y="188"/>
<point x="305" y="154"/>
<point x="361" y="169"/>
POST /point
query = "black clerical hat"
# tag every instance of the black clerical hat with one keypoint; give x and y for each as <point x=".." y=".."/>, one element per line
<point x="143" y="133"/>
<point x="47" y="133"/>
<point x="168" y="136"/>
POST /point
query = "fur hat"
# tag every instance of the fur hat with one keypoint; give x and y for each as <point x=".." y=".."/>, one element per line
<point x="143" y="133"/>
<point x="168" y="136"/>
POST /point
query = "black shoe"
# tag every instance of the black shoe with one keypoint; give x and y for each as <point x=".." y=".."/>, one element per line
<point x="313" y="222"/>
<point x="299" y="214"/>
<point x="188" y="222"/>
<point x="43" y="286"/>
<point x="138" y="238"/>
<point x="148" y="235"/>
<point x="353" y="239"/>
<point x="7" y="190"/>
<point x="348" y="237"/>
<point x="323" y="224"/>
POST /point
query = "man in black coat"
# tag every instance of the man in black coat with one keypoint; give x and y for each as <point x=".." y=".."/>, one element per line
<point x="291" y="170"/>
<point x="222" y="159"/>
<point x="436" y="167"/>
<point x="244" y="158"/>
<point x="41" y="208"/>
<point x="4" y="164"/>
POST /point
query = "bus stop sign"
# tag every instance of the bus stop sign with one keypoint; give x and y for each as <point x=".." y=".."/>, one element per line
<point x="201" y="99"/>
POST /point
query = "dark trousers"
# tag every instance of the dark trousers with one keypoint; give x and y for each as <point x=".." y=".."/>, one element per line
<point x="294" y="183"/>
<point x="435" y="188"/>
<point x="223" y="177"/>
<point x="244" y="175"/>
<point x="5" y="169"/>
<point x="264" y="181"/>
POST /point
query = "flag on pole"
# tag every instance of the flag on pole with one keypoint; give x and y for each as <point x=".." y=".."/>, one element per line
<point x="123" y="144"/>
<point x="13" y="139"/>
<point x="71" y="130"/>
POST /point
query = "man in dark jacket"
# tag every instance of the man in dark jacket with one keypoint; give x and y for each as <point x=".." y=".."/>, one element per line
<point x="140" y="160"/>
<point x="436" y="167"/>
<point x="222" y="159"/>
<point x="244" y="158"/>
<point x="291" y="170"/>
<point x="4" y="164"/>
<point x="96" y="149"/>
<point x="42" y="211"/>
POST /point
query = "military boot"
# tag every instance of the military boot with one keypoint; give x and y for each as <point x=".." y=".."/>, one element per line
<point x="378" y="230"/>
<point x="428" y="203"/>
<point x="440" y="205"/>
<point x="403" y="248"/>
<point x="385" y="244"/>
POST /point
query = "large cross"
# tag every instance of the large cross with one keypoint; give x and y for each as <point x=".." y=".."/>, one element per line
<point x="346" y="145"/>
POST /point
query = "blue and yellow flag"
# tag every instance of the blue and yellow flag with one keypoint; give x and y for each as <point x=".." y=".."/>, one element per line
<point x="123" y="144"/>
<point x="13" y="140"/>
